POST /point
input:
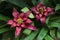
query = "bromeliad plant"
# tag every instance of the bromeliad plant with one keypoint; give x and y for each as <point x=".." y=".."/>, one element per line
<point x="30" y="20"/>
<point x="20" y="21"/>
<point x="41" y="12"/>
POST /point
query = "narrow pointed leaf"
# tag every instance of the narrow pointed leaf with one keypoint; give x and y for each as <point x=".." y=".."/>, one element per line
<point x="3" y="25"/>
<point x="20" y="3"/>
<point x="57" y="7"/>
<point x="58" y="34"/>
<point x="54" y="24"/>
<point x="52" y="33"/>
<point x="4" y="18"/>
<point x="34" y="2"/>
<point x="2" y="30"/>
<point x="47" y="37"/>
<point x="31" y="36"/>
<point x="42" y="34"/>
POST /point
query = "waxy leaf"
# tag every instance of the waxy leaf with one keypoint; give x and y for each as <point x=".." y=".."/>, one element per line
<point x="42" y="34"/>
<point x="54" y="24"/>
<point x="31" y="36"/>
<point x="52" y="33"/>
<point x="47" y="20"/>
<point x="47" y="37"/>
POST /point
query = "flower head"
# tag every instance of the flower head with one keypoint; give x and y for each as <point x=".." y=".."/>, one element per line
<point x="20" y="21"/>
<point x="41" y="12"/>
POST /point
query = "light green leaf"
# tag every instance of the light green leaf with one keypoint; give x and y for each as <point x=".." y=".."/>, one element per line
<point x="4" y="18"/>
<point x="31" y="15"/>
<point x="25" y="9"/>
<point x="47" y="37"/>
<point x="31" y="36"/>
<point x="57" y="7"/>
<point x="27" y="31"/>
<point x="42" y="34"/>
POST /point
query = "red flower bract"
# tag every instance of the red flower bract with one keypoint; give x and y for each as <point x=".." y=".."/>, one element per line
<point x="41" y="12"/>
<point x="20" y="21"/>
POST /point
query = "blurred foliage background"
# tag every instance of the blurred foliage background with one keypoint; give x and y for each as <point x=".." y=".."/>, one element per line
<point x="48" y="31"/>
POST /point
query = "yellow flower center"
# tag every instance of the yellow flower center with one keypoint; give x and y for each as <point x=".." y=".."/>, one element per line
<point x="41" y="10"/>
<point x="19" y="21"/>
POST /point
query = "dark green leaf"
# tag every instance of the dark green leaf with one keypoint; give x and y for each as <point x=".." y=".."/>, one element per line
<point x="2" y="30"/>
<point x="58" y="33"/>
<point x="34" y="2"/>
<point x="57" y="7"/>
<point x="4" y="18"/>
<point x="20" y="3"/>
<point x="3" y="25"/>
<point x="45" y="2"/>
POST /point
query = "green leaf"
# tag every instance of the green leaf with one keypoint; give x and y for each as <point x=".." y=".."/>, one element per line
<point x="27" y="31"/>
<point x="3" y="25"/>
<point x="20" y="3"/>
<point x="25" y="9"/>
<point x="1" y="1"/>
<point x="54" y="24"/>
<point x="31" y="15"/>
<point x="47" y="20"/>
<point x="31" y="36"/>
<point x="42" y="34"/>
<point x="52" y="33"/>
<point x="57" y="7"/>
<point x="58" y="33"/>
<point x="34" y="2"/>
<point x="45" y="2"/>
<point x="4" y="18"/>
<point x="2" y="30"/>
<point x="47" y="37"/>
<point x="6" y="36"/>
<point x="54" y="21"/>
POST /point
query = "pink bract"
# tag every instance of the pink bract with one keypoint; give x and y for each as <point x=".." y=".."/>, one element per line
<point x="41" y="12"/>
<point x="20" y="21"/>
